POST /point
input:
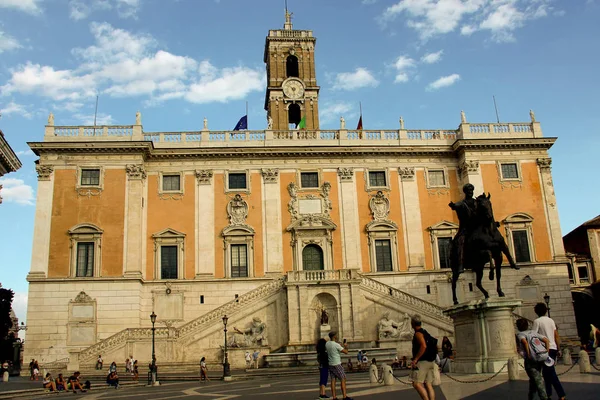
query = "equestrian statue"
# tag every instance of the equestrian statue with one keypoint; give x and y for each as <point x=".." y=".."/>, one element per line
<point x="478" y="241"/>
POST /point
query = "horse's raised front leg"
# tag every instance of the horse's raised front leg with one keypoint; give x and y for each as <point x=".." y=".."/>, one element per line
<point x="479" y="277"/>
<point x="491" y="260"/>
<point x="509" y="257"/>
<point x="498" y="262"/>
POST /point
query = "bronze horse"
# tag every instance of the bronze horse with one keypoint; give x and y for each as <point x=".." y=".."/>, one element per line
<point x="483" y="244"/>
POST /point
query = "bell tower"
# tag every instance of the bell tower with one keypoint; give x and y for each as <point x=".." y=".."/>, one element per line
<point x="292" y="91"/>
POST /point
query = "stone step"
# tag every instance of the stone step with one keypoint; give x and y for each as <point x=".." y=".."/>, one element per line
<point x="278" y="360"/>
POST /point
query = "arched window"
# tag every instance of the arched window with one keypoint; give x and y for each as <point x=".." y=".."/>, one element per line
<point x="312" y="258"/>
<point x="291" y="66"/>
<point x="294" y="115"/>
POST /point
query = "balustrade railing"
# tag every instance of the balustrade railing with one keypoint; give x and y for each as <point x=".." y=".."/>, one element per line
<point x="322" y="275"/>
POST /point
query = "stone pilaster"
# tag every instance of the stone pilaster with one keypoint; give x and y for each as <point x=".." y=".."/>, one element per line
<point x="550" y="208"/>
<point x="40" y="250"/>
<point x="411" y="218"/>
<point x="136" y="175"/>
<point x="468" y="171"/>
<point x="205" y="222"/>
<point x="349" y="217"/>
<point x="273" y="248"/>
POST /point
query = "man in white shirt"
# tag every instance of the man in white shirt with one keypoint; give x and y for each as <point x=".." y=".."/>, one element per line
<point x="545" y="326"/>
<point x="336" y="370"/>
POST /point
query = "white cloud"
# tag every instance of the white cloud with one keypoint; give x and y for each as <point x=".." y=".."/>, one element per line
<point x="360" y="78"/>
<point x="444" y="81"/>
<point x="404" y="67"/>
<point x="81" y="9"/>
<point x="402" y="77"/>
<point x="333" y="111"/>
<point x="8" y="42"/>
<point x="28" y="6"/>
<point x="16" y="109"/>
<point x="438" y="17"/>
<point x="25" y="153"/>
<point x="88" y="119"/>
<point x="16" y="191"/>
<point x="432" y="58"/>
<point x="123" y="64"/>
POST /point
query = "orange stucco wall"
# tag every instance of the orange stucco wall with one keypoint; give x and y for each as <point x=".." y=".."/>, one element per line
<point x="332" y="177"/>
<point x="434" y="208"/>
<point x="107" y="211"/>
<point x="528" y="199"/>
<point x="364" y="215"/>
<point x="255" y="211"/>
<point x="174" y="214"/>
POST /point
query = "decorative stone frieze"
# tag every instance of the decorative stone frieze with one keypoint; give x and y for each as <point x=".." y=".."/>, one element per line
<point x="204" y="176"/>
<point x="237" y="210"/>
<point x="380" y="206"/>
<point x="44" y="172"/>
<point x="468" y="167"/>
<point x="407" y="173"/>
<point x="544" y="163"/>
<point x="346" y="174"/>
<point x="293" y="203"/>
<point x="83" y="297"/>
<point x="327" y="204"/>
<point x="270" y="175"/>
<point x="135" y="172"/>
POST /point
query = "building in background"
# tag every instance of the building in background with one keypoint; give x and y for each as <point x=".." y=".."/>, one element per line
<point x="9" y="162"/>
<point x="289" y="231"/>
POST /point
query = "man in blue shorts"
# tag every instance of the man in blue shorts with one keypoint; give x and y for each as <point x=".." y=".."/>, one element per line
<point x="336" y="370"/>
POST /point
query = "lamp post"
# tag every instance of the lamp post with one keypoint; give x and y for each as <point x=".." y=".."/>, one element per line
<point x="153" y="366"/>
<point x="547" y="301"/>
<point x="226" y="369"/>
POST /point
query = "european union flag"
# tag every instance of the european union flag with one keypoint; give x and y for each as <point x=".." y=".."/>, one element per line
<point x="242" y="123"/>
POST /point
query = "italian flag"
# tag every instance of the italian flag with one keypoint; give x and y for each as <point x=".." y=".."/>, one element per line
<point x="302" y="123"/>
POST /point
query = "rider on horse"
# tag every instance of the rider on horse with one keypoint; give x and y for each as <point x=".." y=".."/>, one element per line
<point x="465" y="209"/>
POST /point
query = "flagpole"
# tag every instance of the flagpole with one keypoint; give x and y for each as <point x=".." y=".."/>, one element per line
<point x="247" y="125"/>
<point x="95" y="114"/>
<point x="360" y="106"/>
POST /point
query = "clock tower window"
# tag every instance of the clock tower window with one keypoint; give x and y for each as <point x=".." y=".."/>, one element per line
<point x="294" y="115"/>
<point x="291" y="66"/>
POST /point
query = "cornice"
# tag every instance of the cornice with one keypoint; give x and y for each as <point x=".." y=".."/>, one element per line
<point x="91" y="147"/>
<point x="500" y="144"/>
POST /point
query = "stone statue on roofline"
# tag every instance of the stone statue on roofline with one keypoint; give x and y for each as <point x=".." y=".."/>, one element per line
<point x="51" y="119"/>
<point x="342" y="123"/>
<point x="532" y="115"/>
<point x="205" y="126"/>
<point x="269" y="123"/>
<point x="138" y="118"/>
<point x="463" y="117"/>
<point x="401" y="123"/>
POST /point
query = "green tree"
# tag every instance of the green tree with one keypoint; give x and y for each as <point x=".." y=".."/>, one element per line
<point x="6" y="298"/>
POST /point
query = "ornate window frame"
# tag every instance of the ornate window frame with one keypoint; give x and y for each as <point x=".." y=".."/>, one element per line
<point x="312" y="229"/>
<point x="84" y="233"/>
<point x="441" y="229"/>
<point x="299" y="173"/>
<point x="238" y="234"/>
<point x="89" y="190"/>
<point x="226" y="183"/>
<point x="520" y="222"/>
<point x="368" y="186"/>
<point x="378" y="230"/>
<point x="171" y="194"/>
<point x="169" y="237"/>
<point x="501" y="177"/>
<point x="444" y="170"/>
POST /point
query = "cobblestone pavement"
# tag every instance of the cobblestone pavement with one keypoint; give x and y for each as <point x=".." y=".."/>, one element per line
<point x="581" y="387"/>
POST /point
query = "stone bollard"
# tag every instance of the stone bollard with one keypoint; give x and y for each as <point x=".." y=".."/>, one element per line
<point x="388" y="375"/>
<point x="597" y="354"/>
<point x="567" y="357"/>
<point x="5" y="376"/>
<point x="584" y="362"/>
<point x="513" y="369"/>
<point x="373" y="375"/>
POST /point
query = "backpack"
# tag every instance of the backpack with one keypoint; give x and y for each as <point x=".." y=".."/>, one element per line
<point x="537" y="350"/>
<point x="431" y="351"/>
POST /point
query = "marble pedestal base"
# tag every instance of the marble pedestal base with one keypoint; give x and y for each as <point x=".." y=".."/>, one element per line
<point x="324" y="331"/>
<point x="484" y="334"/>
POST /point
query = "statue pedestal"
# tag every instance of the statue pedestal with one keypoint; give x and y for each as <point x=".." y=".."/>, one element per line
<point x="484" y="334"/>
<point x="324" y="331"/>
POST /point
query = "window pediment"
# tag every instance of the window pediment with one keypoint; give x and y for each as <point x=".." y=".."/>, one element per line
<point x="311" y="222"/>
<point x="444" y="226"/>
<point x="238" y="230"/>
<point x="168" y="234"/>
<point x="517" y="218"/>
<point x="381" y="226"/>
<point x="85" y="229"/>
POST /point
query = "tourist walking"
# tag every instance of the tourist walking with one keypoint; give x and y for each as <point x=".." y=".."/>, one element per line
<point x="336" y="370"/>
<point x="323" y="361"/>
<point x="255" y="358"/>
<point x="136" y="372"/>
<point x="248" y="358"/>
<point x="545" y="326"/>
<point x="99" y="362"/>
<point x="533" y="352"/>
<point x="446" y="348"/>
<point x="203" y="370"/>
<point x="424" y="352"/>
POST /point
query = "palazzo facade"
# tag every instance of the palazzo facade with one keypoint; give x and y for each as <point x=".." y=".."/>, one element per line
<point x="277" y="225"/>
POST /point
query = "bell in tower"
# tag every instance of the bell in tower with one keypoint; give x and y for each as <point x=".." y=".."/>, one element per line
<point x="292" y="92"/>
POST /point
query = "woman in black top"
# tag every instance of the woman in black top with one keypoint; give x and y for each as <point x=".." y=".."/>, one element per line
<point x="323" y="367"/>
<point x="446" y="348"/>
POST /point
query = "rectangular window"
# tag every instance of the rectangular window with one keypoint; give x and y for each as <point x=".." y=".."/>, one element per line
<point x="85" y="259"/>
<point x="509" y="171"/>
<point x="444" y="246"/>
<point x="309" y="179"/>
<point x="521" y="243"/>
<point x="168" y="262"/>
<point x="437" y="178"/>
<point x="237" y="181"/>
<point x="570" y="269"/>
<point x="377" y="179"/>
<point x="239" y="261"/>
<point x="582" y="271"/>
<point x="383" y="255"/>
<point x="171" y="183"/>
<point x="90" y="177"/>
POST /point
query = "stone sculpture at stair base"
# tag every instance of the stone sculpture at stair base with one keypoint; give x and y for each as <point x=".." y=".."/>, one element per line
<point x="484" y="334"/>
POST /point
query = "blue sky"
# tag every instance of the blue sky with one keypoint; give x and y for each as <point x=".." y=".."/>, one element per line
<point x="178" y="61"/>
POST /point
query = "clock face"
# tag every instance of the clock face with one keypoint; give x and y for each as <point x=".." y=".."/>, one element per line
<point x="293" y="89"/>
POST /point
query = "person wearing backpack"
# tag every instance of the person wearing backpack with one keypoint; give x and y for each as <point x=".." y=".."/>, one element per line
<point x="424" y="350"/>
<point x="533" y="347"/>
<point x="545" y="326"/>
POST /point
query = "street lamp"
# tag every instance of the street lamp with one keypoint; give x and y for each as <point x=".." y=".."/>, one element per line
<point x="153" y="366"/>
<point x="226" y="369"/>
<point x="547" y="301"/>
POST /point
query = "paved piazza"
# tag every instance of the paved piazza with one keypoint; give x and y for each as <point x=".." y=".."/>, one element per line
<point x="580" y="387"/>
